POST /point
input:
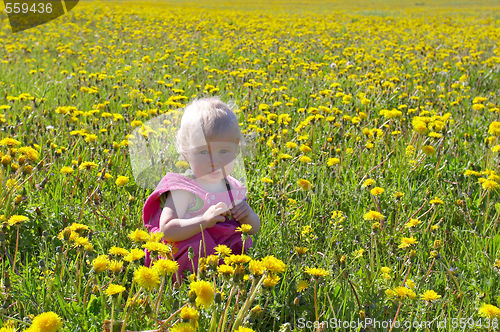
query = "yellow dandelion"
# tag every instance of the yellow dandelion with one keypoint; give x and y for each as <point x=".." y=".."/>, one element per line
<point x="305" y="159"/>
<point x="257" y="268"/>
<point x="117" y="251"/>
<point x="121" y="180"/>
<point x="490" y="185"/>
<point x="17" y="220"/>
<point x="244" y="228"/>
<point x="407" y="242"/>
<point x="157" y="248"/>
<point x="115" y="266"/>
<point x="494" y="128"/>
<point x="226" y="270"/>
<point x="10" y="142"/>
<point x="317" y="272"/>
<point x="373" y="215"/>
<point x="222" y="250"/>
<point x="489" y="311"/>
<point x="47" y="322"/>
<point x="266" y="180"/>
<point x="100" y="263"/>
<point x="301" y="250"/>
<point x="183" y="327"/>
<point x="204" y="293"/>
<point x="146" y="277"/>
<point x="273" y="264"/>
<point x="135" y="254"/>
<point x="138" y="236"/>
<point x="271" y="281"/>
<point x="436" y="201"/>
<point x="189" y="314"/>
<point x="114" y="289"/>
<point x="428" y="150"/>
<point x="87" y="166"/>
<point x="368" y="183"/>
<point x="304" y="184"/>
<point x="302" y="286"/>
<point x="166" y="266"/>
<point x="376" y="191"/>
<point x="333" y="161"/>
<point x="430" y="296"/>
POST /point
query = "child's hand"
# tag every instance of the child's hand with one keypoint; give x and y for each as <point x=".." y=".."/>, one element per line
<point x="241" y="211"/>
<point x="214" y="214"/>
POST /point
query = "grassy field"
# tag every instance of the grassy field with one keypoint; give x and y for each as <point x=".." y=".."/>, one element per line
<point x="374" y="166"/>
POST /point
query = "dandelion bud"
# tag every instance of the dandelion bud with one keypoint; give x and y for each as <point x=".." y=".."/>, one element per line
<point x="27" y="169"/>
<point x="437" y="244"/>
<point x="79" y="159"/>
<point x="21" y="160"/>
<point x="434" y="254"/>
<point x="38" y="211"/>
<point x="6" y="160"/>
<point x="6" y="279"/>
<point x="460" y="202"/>
<point x="18" y="199"/>
<point x="66" y="234"/>
<point x="175" y="305"/>
<point x="7" y="303"/>
<point x="148" y="309"/>
<point x="41" y="264"/>
<point x="296" y="301"/>
<point x="362" y="314"/>
<point x="376" y="227"/>
<point x="2" y="237"/>
<point x="5" y="227"/>
<point x="130" y="198"/>
<point x="190" y="252"/>
<point x="59" y="249"/>
<point x="218" y="298"/>
<point x="192" y="297"/>
<point x="413" y="254"/>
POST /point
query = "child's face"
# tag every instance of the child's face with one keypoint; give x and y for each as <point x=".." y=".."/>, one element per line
<point x="207" y="161"/>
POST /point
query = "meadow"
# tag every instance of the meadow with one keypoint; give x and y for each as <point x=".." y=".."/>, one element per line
<point x="373" y="165"/>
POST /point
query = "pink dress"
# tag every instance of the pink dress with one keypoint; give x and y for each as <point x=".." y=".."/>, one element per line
<point x="222" y="233"/>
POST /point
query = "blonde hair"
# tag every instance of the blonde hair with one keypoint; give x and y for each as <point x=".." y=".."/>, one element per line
<point x="204" y="120"/>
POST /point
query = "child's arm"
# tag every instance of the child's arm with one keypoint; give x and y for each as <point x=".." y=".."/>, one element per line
<point x="244" y="214"/>
<point x="177" y="229"/>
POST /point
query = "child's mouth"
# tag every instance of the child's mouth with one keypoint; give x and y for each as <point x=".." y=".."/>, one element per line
<point x="214" y="174"/>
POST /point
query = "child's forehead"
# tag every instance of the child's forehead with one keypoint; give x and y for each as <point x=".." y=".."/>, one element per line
<point x="221" y="139"/>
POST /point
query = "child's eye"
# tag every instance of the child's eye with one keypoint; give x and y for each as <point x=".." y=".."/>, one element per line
<point x="204" y="152"/>
<point x="224" y="151"/>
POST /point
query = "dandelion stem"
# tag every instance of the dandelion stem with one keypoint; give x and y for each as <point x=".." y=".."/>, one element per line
<point x="235" y="309"/>
<point x="160" y="293"/>
<point x="487" y="213"/>
<point x="222" y="321"/>
<point x="112" y="314"/>
<point x="15" y="253"/>
<point x="100" y="293"/>
<point x="395" y="317"/>
<point x="432" y="219"/>
<point x="124" y="324"/>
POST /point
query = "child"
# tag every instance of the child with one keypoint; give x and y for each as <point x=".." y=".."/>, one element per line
<point x="206" y="196"/>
